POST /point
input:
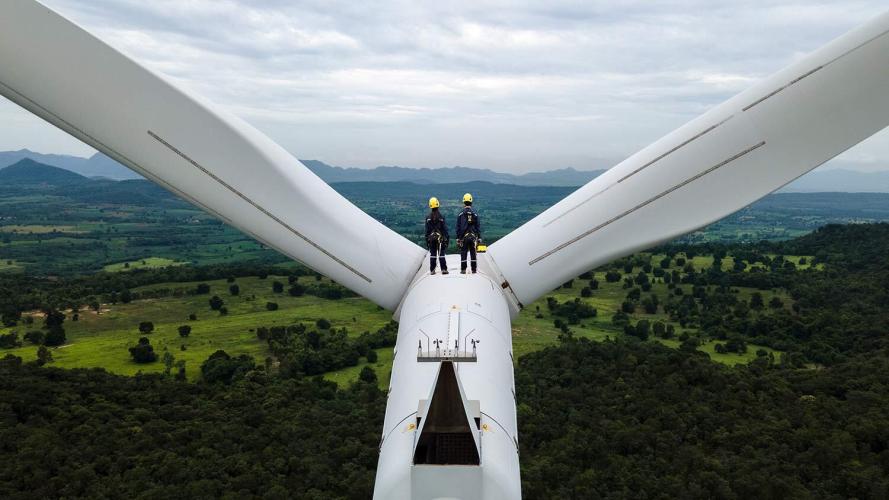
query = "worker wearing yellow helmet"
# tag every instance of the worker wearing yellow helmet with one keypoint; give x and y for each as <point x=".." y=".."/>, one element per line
<point x="437" y="237"/>
<point x="469" y="234"/>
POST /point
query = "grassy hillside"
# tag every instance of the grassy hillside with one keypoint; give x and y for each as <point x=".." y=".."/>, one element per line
<point x="102" y="338"/>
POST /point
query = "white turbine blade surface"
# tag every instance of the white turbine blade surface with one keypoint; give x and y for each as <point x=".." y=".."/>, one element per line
<point x="73" y="80"/>
<point x="721" y="162"/>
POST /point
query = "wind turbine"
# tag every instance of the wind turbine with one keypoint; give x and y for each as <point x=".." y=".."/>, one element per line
<point x="450" y="428"/>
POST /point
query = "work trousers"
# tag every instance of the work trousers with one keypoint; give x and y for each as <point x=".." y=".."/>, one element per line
<point x="437" y="250"/>
<point x="468" y="247"/>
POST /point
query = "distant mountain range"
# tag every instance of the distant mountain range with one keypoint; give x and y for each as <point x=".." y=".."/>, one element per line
<point x="99" y="165"/>
<point x="30" y="172"/>
<point x="30" y="175"/>
<point x="450" y="175"/>
<point x="841" y="181"/>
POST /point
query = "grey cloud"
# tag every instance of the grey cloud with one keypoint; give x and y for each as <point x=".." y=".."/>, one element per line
<point x="511" y="85"/>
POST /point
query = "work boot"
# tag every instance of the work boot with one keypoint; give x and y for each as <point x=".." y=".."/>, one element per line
<point x="463" y="271"/>
<point x="432" y="271"/>
<point x="445" y="271"/>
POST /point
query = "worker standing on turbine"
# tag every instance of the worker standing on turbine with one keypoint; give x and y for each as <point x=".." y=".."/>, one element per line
<point x="469" y="234"/>
<point x="437" y="237"/>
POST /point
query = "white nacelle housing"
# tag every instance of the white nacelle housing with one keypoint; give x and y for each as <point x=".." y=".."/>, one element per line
<point x="455" y="309"/>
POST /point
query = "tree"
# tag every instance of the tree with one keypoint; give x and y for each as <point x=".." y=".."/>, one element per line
<point x="126" y="296"/>
<point x="10" y="316"/>
<point x="323" y="324"/>
<point x="642" y="329"/>
<point x="756" y="302"/>
<point x="44" y="356"/>
<point x="586" y="292"/>
<point x="277" y="287"/>
<point x="568" y="284"/>
<point x="35" y="337"/>
<point x="143" y="352"/>
<point x="658" y="329"/>
<point x="202" y="289"/>
<point x="146" y="327"/>
<point x="271" y="306"/>
<point x="180" y="370"/>
<point x="296" y="290"/>
<point x="234" y="290"/>
<point x="368" y="375"/>
<point x="55" y="336"/>
<point x="184" y="331"/>
<point x="53" y="318"/>
<point x="372" y="356"/>
<point x="650" y="304"/>
<point x="628" y="307"/>
<point x="216" y="303"/>
<point x="168" y="359"/>
<point x="223" y="311"/>
<point x="776" y="303"/>
<point x="192" y="317"/>
<point x="222" y="368"/>
<point x="612" y="276"/>
<point x="10" y="341"/>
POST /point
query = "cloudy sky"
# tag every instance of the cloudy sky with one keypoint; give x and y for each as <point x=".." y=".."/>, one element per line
<point x="509" y="85"/>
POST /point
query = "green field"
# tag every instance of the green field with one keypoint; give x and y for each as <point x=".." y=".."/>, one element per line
<point x="147" y="263"/>
<point x="37" y="229"/>
<point x="9" y="265"/>
<point x="101" y="339"/>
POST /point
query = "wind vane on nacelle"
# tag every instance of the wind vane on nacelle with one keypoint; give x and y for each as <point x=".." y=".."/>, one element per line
<point x="450" y="428"/>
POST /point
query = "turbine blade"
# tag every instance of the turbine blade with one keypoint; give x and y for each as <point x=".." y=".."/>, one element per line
<point x="73" y="80"/>
<point x="721" y="162"/>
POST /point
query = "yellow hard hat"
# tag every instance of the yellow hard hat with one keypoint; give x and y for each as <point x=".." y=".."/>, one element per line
<point x="433" y="202"/>
<point x="467" y="198"/>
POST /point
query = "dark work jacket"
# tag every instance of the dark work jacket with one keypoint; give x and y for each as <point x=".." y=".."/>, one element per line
<point x="440" y="225"/>
<point x="463" y="226"/>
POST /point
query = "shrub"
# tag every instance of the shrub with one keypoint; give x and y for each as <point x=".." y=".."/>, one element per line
<point x="271" y="306"/>
<point x="143" y="352"/>
<point x="35" y="337"/>
<point x="184" y="331"/>
<point x="216" y="303"/>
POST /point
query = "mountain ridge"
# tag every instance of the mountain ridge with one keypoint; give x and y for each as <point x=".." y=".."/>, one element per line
<point x="30" y="172"/>
<point x="99" y="165"/>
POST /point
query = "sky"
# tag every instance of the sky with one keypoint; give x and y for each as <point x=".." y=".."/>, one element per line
<point x="514" y="86"/>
